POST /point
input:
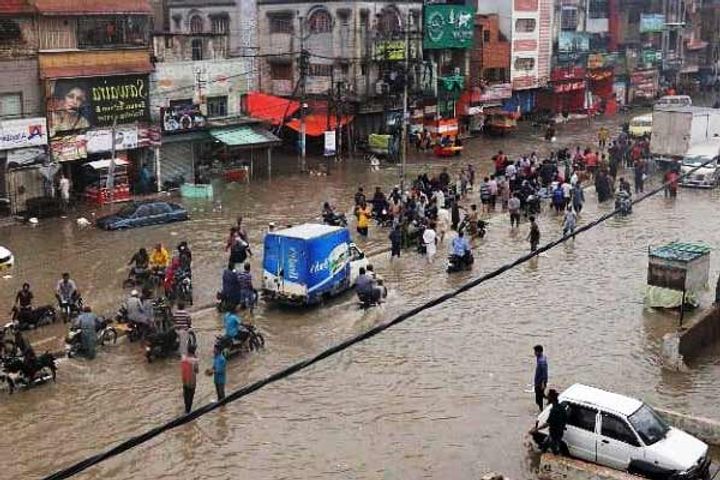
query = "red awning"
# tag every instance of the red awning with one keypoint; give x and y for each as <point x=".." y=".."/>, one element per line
<point x="269" y="107"/>
<point x="15" y="6"/>
<point x="316" y="124"/>
<point x="91" y="7"/>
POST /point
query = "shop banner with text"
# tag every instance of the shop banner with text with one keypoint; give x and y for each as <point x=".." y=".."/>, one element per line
<point x="82" y="103"/>
<point x="448" y="26"/>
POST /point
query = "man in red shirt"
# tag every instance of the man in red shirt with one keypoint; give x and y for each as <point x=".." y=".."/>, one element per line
<point x="591" y="161"/>
<point x="189" y="369"/>
<point x="671" y="183"/>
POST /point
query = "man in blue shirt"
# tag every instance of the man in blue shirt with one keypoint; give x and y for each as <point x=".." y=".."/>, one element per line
<point x="460" y="245"/>
<point x="218" y="372"/>
<point x="541" y="376"/>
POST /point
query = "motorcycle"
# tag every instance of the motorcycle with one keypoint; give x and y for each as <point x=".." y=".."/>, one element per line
<point x="224" y="303"/>
<point x="7" y="340"/>
<point x="367" y="301"/>
<point x="136" y="278"/>
<point x="623" y="203"/>
<point x="248" y="340"/>
<point x="457" y="263"/>
<point x="33" y="318"/>
<point x="335" y="219"/>
<point x="19" y="372"/>
<point x="73" y="340"/>
<point x="480" y="227"/>
<point x="165" y="344"/>
<point x="183" y="287"/>
<point x="383" y="218"/>
<point x="70" y="309"/>
<point x="532" y="205"/>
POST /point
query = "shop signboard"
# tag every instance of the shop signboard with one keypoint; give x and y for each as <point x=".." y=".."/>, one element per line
<point x="595" y="60"/>
<point x="97" y="141"/>
<point x="390" y="50"/>
<point x="68" y="147"/>
<point x="82" y="103"/>
<point x="330" y="143"/>
<point x="498" y="91"/>
<point x="573" y="42"/>
<point x="448" y="26"/>
<point x="22" y="133"/>
<point x="182" y="118"/>
<point x="652" y="22"/>
<point x="651" y="57"/>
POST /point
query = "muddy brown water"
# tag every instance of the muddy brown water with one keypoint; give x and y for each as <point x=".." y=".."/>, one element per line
<point x="440" y="396"/>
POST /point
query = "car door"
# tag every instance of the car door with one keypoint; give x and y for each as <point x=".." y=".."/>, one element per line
<point x="580" y="432"/>
<point x="617" y="443"/>
<point x="142" y="216"/>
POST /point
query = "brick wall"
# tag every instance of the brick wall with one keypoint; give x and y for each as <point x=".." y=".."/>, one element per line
<point x="21" y="76"/>
<point x="492" y="54"/>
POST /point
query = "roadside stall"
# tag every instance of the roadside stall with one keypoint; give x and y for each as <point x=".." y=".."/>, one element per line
<point x="95" y="178"/>
<point x="677" y="272"/>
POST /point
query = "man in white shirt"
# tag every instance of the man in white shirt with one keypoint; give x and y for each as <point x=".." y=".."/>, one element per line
<point x="430" y="241"/>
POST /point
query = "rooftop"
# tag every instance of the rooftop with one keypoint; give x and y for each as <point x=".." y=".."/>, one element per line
<point x="602" y="399"/>
<point x="307" y="231"/>
<point x="679" y="251"/>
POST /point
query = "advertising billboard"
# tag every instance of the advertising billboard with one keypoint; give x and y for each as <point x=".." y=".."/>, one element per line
<point x="448" y="26"/>
<point x="574" y="42"/>
<point x="82" y="103"/>
<point x="21" y="133"/>
<point x="182" y="118"/>
<point x="652" y="22"/>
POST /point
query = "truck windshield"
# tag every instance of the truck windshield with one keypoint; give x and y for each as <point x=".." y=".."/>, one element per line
<point x="696" y="161"/>
<point x="648" y="425"/>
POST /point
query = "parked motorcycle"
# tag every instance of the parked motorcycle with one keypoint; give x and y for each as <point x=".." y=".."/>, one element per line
<point x="70" y="309"/>
<point x="73" y="340"/>
<point x="457" y="263"/>
<point x="248" y="340"/>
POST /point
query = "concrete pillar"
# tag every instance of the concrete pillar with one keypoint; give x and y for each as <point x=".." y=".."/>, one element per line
<point x="158" y="181"/>
<point x="670" y="352"/>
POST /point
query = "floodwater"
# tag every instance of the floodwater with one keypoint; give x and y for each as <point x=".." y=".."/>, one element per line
<point x="443" y="395"/>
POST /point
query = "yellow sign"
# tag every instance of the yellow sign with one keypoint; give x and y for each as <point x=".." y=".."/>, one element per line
<point x="390" y="50"/>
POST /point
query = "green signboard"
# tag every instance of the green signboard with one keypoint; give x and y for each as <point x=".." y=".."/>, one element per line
<point x="448" y="26"/>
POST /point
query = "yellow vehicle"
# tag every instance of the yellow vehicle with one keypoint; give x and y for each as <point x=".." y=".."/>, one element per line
<point x="641" y="125"/>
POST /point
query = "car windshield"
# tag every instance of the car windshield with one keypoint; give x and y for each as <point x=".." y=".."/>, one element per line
<point x="126" y="211"/>
<point x="648" y="425"/>
<point x="696" y="161"/>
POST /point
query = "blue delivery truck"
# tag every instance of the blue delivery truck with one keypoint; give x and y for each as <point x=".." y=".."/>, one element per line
<point x="307" y="263"/>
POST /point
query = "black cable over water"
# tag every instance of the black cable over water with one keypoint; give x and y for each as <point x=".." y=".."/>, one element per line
<point x="303" y="364"/>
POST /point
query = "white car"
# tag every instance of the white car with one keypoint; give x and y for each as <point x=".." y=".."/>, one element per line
<point x="625" y="434"/>
<point x="6" y="259"/>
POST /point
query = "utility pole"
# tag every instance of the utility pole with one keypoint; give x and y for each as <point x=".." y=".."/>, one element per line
<point x="110" y="181"/>
<point x="303" y="74"/>
<point x="404" y="131"/>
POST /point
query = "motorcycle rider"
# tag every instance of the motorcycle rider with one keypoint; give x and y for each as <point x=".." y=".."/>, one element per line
<point x="140" y="261"/>
<point x="230" y="288"/>
<point x="139" y="312"/>
<point x="23" y="301"/>
<point x="87" y="322"/>
<point x="366" y="287"/>
<point x="247" y="292"/>
<point x="66" y="290"/>
<point x="159" y="259"/>
<point x="461" y="248"/>
<point x="185" y="256"/>
<point x="234" y="328"/>
<point x="328" y="214"/>
<point x="379" y="202"/>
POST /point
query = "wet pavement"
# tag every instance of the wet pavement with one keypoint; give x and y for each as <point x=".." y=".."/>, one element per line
<point x="440" y="396"/>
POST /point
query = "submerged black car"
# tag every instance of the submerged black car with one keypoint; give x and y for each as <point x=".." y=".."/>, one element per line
<point x="143" y="213"/>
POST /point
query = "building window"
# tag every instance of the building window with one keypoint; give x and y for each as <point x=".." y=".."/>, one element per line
<point x="10" y="105"/>
<point x="320" y="70"/>
<point x="598" y="9"/>
<point x="388" y="22"/>
<point x="364" y="18"/>
<point x="525" y="25"/>
<point x="112" y="31"/>
<point x="345" y="69"/>
<point x="281" y="24"/>
<point x="524" y="63"/>
<point x="217" y="107"/>
<point x="363" y="69"/>
<point x="220" y="23"/>
<point x="320" y="22"/>
<point x="197" y="49"/>
<point x="486" y="36"/>
<point x="196" y="24"/>
<point x="344" y="16"/>
<point x="495" y="75"/>
<point x="281" y="71"/>
<point x="568" y="18"/>
<point x="169" y="41"/>
<point x="10" y="31"/>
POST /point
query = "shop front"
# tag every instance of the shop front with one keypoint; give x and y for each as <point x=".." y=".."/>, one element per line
<point x="24" y="164"/>
<point x="567" y="91"/>
<point x="475" y="104"/>
<point x="600" y="81"/>
<point x="644" y="85"/>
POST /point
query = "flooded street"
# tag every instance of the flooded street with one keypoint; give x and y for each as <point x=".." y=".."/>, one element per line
<point x="440" y="396"/>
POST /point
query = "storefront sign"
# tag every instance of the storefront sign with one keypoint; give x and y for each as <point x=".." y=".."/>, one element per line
<point x="81" y="103"/>
<point x="569" y="86"/>
<point x="595" y="60"/>
<point x="651" y="57"/>
<point x="448" y="26"/>
<point x="68" y="148"/>
<point x="126" y="138"/>
<point x="652" y="22"/>
<point x="574" y="42"/>
<point x="498" y="91"/>
<point x="182" y="118"/>
<point x="330" y="143"/>
<point x="21" y="133"/>
<point x="390" y="50"/>
<point x="475" y="110"/>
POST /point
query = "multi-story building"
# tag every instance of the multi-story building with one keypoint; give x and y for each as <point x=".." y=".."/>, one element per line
<point x="94" y="66"/>
<point x="357" y="44"/>
<point x="528" y="23"/>
<point x="23" y="131"/>
<point x="197" y="95"/>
